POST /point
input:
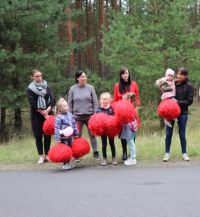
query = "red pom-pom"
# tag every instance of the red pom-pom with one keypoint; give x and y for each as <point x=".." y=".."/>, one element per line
<point x="124" y="111"/>
<point x="80" y="147"/>
<point x="97" y="123"/>
<point x="169" y="109"/>
<point x="113" y="127"/>
<point x="60" y="153"/>
<point x="49" y="125"/>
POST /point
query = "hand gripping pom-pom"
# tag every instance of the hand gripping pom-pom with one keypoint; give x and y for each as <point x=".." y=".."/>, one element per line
<point x="113" y="127"/>
<point x="124" y="111"/>
<point x="169" y="109"/>
<point x="80" y="147"/>
<point x="60" y="153"/>
<point x="97" y="123"/>
<point x="49" y="125"/>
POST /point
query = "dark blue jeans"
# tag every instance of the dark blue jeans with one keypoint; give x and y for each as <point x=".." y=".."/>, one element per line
<point x="182" y="121"/>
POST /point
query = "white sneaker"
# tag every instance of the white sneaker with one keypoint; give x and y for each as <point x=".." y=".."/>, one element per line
<point x="185" y="157"/>
<point x="166" y="157"/>
<point x="41" y="160"/>
<point x="67" y="166"/>
<point x="130" y="161"/>
<point x="77" y="160"/>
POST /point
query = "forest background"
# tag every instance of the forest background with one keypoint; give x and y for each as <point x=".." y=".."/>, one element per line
<point x="59" y="37"/>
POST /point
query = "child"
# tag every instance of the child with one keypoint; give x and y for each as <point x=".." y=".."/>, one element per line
<point x="167" y="86"/>
<point x="105" y="106"/>
<point x="65" y="127"/>
<point x="129" y="131"/>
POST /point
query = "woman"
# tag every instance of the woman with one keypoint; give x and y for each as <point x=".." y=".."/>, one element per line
<point x="82" y="100"/>
<point x="123" y="86"/>
<point x="184" y="97"/>
<point x="41" y="101"/>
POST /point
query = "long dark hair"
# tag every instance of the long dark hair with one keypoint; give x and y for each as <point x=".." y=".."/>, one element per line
<point x="78" y="74"/>
<point x="124" y="86"/>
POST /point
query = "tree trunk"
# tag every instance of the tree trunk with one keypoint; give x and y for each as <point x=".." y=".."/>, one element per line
<point x="18" y="120"/>
<point x="3" y="136"/>
<point x="100" y="36"/>
<point x="79" y="34"/>
<point x="89" y="56"/>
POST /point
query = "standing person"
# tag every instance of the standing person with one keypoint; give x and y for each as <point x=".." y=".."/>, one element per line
<point x="41" y="101"/>
<point x="65" y="127"/>
<point x="123" y="86"/>
<point x="184" y="97"/>
<point x="82" y="100"/>
<point x="129" y="131"/>
<point x="167" y="87"/>
<point x="105" y="107"/>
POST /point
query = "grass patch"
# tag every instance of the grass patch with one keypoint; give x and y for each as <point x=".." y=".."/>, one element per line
<point x="149" y="143"/>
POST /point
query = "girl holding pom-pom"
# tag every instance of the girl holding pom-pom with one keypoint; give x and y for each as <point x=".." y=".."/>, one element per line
<point x="65" y="127"/>
<point x="125" y="85"/>
<point x="167" y="87"/>
<point x="105" y="107"/>
<point x="129" y="131"/>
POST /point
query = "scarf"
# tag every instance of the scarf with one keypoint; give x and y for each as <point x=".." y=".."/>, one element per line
<point x="39" y="89"/>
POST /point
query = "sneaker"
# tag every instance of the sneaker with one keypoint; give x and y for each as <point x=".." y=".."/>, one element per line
<point x="185" y="157"/>
<point x="41" y="160"/>
<point x="166" y="157"/>
<point x="130" y="161"/>
<point x="104" y="162"/>
<point x="46" y="158"/>
<point x="96" y="155"/>
<point x="67" y="166"/>
<point x="77" y="160"/>
<point x="114" y="161"/>
<point x="168" y="123"/>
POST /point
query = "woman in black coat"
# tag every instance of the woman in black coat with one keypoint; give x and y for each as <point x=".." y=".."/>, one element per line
<point x="41" y="101"/>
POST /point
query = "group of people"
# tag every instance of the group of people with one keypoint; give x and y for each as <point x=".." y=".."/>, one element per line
<point x="81" y="103"/>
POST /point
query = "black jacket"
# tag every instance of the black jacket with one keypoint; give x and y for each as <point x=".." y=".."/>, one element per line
<point x="107" y="111"/>
<point x="32" y="98"/>
<point x="37" y="119"/>
<point x="184" y="95"/>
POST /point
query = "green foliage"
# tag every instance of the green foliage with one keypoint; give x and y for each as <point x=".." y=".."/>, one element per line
<point x="150" y="37"/>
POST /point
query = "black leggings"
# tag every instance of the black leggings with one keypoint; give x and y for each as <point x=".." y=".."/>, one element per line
<point x="124" y="145"/>
<point x="39" y="144"/>
<point x="104" y="145"/>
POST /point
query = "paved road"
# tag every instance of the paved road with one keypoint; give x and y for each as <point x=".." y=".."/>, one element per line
<point x="101" y="192"/>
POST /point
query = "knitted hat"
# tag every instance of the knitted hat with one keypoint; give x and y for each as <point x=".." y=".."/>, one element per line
<point x="169" y="72"/>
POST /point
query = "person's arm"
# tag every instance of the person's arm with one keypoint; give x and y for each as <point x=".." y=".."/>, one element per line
<point x="115" y="95"/>
<point x="52" y="101"/>
<point x="74" y="126"/>
<point x="58" y="127"/>
<point x="70" y="100"/>
<point x="189" y="99"/>
<point x="137" y="94"/>
<point x="94" y="100"/>
<point x="164" y="87"/>
<point x="31" y="99"/>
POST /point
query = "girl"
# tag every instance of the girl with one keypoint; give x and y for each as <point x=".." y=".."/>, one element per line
<point x="129" y="131"/>
<point x="65" y="127"/>
<point x="167" y="87"/>
<point x="105" y="106"/>
<point x="41" y="101"/>
<point x="125" y="85"/>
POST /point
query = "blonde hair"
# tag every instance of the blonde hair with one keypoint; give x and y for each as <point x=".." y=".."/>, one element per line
<point x="59" y="104"/>
<point x="132" y="97"/>
<point x="105" y="95"/>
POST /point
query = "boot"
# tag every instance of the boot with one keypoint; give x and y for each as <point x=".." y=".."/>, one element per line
<point x="124" y="155"/>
